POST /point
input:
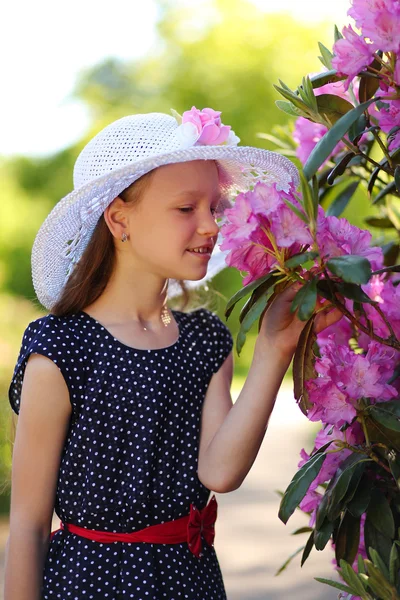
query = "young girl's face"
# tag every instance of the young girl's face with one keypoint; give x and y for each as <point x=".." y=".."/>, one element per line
<point x="175" y="214"/>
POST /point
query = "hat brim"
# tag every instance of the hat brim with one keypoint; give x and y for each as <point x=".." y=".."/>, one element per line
<point x="66" y="231"/>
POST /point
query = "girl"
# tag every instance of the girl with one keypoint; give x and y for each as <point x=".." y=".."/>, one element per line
<point x="126" y="421"/>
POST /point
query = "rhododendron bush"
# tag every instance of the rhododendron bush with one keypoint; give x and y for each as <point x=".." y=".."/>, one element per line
<point x="347" y="377"/>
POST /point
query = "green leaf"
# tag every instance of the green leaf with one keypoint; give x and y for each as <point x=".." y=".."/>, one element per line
<point x="369" y="85"/>
<point x="338" y="205"/>
<point x="299" y="485"/>
<point x="357" y="129"/>
<point x="306" y="93"/>
<point x="397" y="178"/>
<point x="352" y="579"/>
<point x="302" y="530"/>
<point x="296" y="211"/>
<point x="288" y="108"/>
<point x="336" y="34"/>
<point x="246" y="290"/>
<point x="177" y="116"/>
<point x="378" y="562"/>
<point x="326" y="56"/>
<point x="361" y="498"/>
<point x="379" y="584"/>
<point x="307" y="197"/>
<point x="379" y="222"/>
<point x="375" y="539"/>
<point x="386" y="417"/>
<point x="381" y="434"/>
<point x="264" y="288"/>
<point x="303" y="365"/>
<point x="390" y="188"/>
<point x="341" y="482"/>
<point x="289" y="560"/>
<point x="335" y="584"/>
<point x="353" y="292"/>
<point x="323" y="534"/>
<point x="300" y="259"/>
<point x="351" y="268"/>
<point x="326" y="145"/>
<point x="393" y="459"/>
<point x="340" y="168"/>
<point x="332" y="107"/>
<point x="305" y="300"/>
<point x="252" y="315"/>
<point x="308" y="548"/>
<point x="293" y="98"/>
<point x="394" y="565"/>
<point x="325" y="77"/>
<point x="390" y="253"/>
<point x="360" y="564"/>
<point x="380" y="515"/>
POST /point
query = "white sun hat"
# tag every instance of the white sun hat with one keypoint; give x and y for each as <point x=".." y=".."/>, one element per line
<point x="119" y="155"/>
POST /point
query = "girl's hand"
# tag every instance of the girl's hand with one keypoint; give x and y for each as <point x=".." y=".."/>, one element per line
<point x="281" y="328"/>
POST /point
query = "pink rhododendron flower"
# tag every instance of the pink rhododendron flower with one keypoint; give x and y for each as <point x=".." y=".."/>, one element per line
<point x="242" y="222"/>
<point x="264" y="199"/>
<point x="307" y="134"/>
<point x="379" y="21"/>
<point x="256" y="218"/>
<point x="337" y="237"/>
<point x="389" y="304"/>
<point x="351" y="54"/>
<point x="375" y="287"/>
<point x="330" y="404"/>
<point x="288" y="228"/>
<point x="204" y="126"/>
<point x="363" y="11"/>
<point x="362" y="379"/>
<point x="389" y="117"/>
<point x="251" y="256"/>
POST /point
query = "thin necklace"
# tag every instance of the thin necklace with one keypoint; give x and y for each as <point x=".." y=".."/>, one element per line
<point x="165" y="317"/>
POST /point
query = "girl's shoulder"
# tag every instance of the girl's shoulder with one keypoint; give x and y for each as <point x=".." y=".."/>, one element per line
<point x="215" y="333"/>
<point x="55" y="337"/>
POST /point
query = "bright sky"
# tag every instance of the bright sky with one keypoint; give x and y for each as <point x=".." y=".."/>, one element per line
<point x="45" y="44"/>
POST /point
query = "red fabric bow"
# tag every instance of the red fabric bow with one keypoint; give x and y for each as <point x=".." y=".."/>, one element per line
<point x="201" y="522"/>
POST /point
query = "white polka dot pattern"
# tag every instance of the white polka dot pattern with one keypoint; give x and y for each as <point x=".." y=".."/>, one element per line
<point x="130" y="456"/>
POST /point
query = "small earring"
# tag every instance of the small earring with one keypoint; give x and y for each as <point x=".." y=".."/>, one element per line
<point x="124" y="237"/>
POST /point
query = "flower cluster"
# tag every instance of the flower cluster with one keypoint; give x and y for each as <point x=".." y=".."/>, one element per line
<point x="262" y="231"/>
<point x="307" y="134"/>
<point x="355" y="54"/>
<point x="204" y="128"/>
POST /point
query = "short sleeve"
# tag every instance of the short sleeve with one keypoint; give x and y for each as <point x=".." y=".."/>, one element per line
<point x="221" y="339"/>
<point x="44" y="336"/>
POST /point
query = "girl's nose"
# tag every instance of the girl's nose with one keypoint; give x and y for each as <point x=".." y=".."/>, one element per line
<point x="208" y="225"/>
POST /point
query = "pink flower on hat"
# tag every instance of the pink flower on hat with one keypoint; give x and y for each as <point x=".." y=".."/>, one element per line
<point x="204" y="127"/>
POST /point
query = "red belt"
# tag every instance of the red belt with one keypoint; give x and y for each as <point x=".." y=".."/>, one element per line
<point x="186" y="529"/>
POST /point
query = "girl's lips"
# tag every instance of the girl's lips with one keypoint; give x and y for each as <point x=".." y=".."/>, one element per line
<point x="200" y="254"/>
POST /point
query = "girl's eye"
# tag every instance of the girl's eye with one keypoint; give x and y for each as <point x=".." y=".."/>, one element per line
<point x="187" y="209"/>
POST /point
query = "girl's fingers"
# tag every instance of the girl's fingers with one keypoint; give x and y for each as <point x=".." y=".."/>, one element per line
<point x="325" y="319"/>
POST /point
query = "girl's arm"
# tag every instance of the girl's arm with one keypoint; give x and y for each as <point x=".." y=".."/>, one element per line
<point x="41" y="430"/>
<point x="231" y="435"/>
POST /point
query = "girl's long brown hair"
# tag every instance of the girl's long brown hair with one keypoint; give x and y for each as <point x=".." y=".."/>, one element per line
<point x="94" y="269"/>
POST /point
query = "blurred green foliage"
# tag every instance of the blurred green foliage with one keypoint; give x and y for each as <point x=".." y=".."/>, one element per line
<point x="227" y="57"/>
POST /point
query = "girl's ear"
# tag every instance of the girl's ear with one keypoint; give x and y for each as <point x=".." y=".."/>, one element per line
<point x="115" y="217"/>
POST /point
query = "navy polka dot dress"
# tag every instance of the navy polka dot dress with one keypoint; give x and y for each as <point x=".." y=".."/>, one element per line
<point x="130" y="456"/>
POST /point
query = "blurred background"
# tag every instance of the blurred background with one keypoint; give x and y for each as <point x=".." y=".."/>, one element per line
<point x="71" y="68"/>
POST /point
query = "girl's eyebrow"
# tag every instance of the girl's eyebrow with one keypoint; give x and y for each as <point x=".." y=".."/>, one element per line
<point x="196" y="194"/>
